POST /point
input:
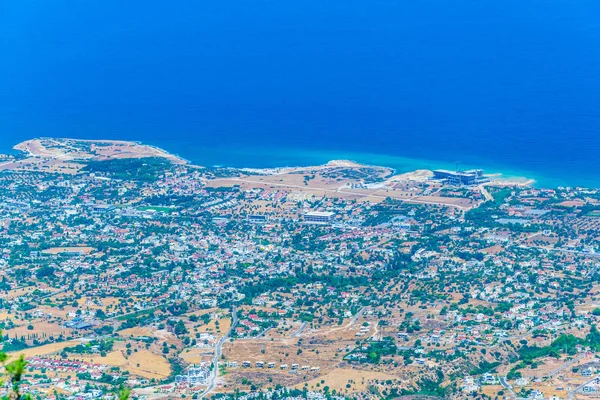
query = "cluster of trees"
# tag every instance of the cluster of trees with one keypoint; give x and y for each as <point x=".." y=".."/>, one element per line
<point x="101" y="346"/>
<point x="139" y="169"/>
<point x="564" y="344"/>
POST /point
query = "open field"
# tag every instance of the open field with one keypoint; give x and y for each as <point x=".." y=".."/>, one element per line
<point x="340" y="377"/>
<point x="76" y="149"/>
<point x="335" y="184"/>
<point x="46" y="349"/>
<point x="11" y="294"/>
<point x="141" y="363"/>
<point x="69" y="156"/>
<point x="59" y="250"/>
<point x="137" y="332"/>
<point x="196" y="355"/>
<point x="39" y="328"/>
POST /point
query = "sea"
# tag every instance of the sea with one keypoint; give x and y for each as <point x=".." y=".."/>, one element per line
<point x="511" y="86"/>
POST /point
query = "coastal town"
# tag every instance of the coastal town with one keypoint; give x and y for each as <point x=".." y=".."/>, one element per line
<point x="125" y="266"/>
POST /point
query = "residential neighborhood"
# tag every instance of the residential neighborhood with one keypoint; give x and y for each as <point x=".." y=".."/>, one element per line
<point x="335" y="281"/>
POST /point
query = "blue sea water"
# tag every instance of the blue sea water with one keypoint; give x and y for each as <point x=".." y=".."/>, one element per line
<point x="511" y="85"/>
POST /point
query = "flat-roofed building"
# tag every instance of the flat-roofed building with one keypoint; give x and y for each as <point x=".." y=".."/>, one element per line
<point x="460" y="178"/>
<point x="257" y="218"/>
<point x="323" y="217"/>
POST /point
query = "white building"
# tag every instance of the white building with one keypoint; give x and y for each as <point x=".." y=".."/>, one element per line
<point x="323" y="217"/>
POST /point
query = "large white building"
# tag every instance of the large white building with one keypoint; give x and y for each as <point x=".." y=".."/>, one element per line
<point x="323" y="217"/>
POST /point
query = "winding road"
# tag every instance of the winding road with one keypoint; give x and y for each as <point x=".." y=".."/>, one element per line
<point x="218" y="351"/>
<point x="507" y="386"/>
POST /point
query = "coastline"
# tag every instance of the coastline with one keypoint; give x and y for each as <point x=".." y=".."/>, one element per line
<point x="37" y="147"/>
<point x="262" y="159"/>
<point x="259" y="158"/>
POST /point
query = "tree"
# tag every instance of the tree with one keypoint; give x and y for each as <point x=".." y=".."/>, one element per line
<point x="180" y="328"/>
<point x="14" y="371"/>
<point x="124" y="394"/>
<point x="45" y="272"/>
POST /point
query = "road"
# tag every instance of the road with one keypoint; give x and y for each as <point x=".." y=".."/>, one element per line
<point x="378" y="196"/>
<point x="298" y="333"/>
<point x="561" y="250"/>
<point x="348" y="325"/>
<point x="52" y="294"/>
<point x="523" y="335"/>
<point x="507" y="386"/>
<point x="357" y="316"/>
<point x="485" y="193"/>
<point x="263" y="333"/>
<point x="573" y="391"/>
<point x="565" y="365"/>
<point x="218" y="351"/>
<point x="528" y="237"/>
<point x="259" y="336"/>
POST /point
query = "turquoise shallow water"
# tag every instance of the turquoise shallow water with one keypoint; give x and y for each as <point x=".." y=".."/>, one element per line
<point x="277" y="157"/>
<point x="266" y="157"/>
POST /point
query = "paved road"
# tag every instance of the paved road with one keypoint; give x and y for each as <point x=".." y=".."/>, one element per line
<point x="259" y="336"/>
<point x="486" y="194"/>
<point x="52" y="294"/>
<point x="357" y="316"/>
<point x="573" y="391"/>
<point x="565" y="365"/>
<point x="522" y="335"/>
<point x="263" y="333"/>
<point x="507" y="386"/>
<point x="298" y="333"/>
<point x="528" y="237"/>
<point x="218" y="351"/>
<point x="409" y="200"/>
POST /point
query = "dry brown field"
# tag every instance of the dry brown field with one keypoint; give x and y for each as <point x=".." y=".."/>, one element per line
<point x="340" y="377"/>
<point x="45" y="349"/>
<point x="59" y="250"/>
<point x="39" y="328"/>
<point x="141" y="363"/>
